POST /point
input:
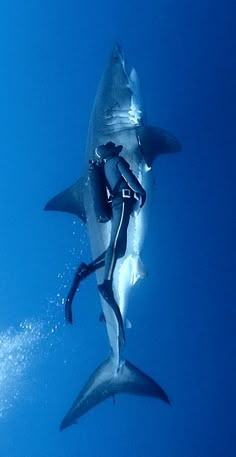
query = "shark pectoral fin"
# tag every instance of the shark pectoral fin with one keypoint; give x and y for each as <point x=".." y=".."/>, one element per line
<point x="154" y="141"/>
<point x="107" y="381"/>
<point x="70" y="200"/>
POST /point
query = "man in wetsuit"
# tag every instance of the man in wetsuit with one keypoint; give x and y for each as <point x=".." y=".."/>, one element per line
<point x="124" y="190"/>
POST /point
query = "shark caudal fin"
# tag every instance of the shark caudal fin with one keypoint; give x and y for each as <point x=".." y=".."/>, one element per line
<point x="107" y="381"/>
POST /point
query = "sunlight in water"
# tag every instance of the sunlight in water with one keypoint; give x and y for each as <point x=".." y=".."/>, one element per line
<point x="18" y="346"/>
<point x="16" y="351"/>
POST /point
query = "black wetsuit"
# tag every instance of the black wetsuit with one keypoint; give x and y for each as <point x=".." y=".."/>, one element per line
<point x="124" y="190"/>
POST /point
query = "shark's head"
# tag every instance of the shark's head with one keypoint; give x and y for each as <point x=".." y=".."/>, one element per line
<point x="114" y="94"/>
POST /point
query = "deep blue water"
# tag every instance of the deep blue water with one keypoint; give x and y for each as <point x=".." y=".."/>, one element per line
<point x="184" y="313"/>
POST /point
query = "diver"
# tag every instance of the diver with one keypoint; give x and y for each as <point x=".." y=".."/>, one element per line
<point x="123" y="189"/>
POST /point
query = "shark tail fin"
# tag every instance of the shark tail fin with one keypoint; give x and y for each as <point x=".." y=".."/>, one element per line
<point x="108" y="381"/>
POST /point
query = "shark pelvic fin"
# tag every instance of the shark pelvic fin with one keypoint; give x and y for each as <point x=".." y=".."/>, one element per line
<point x="102" y="318"/>
<point x="138" y="270"/>
<point x="154" y="141"/>
<point x="107" y="381"/>
<point x="70" y="200"/>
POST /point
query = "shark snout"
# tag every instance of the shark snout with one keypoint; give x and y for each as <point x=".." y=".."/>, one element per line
<point x="117" y="54"/>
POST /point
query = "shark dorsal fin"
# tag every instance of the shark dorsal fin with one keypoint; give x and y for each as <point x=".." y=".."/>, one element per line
<point x="154" y="141"/>
<point x="70" y="200"/>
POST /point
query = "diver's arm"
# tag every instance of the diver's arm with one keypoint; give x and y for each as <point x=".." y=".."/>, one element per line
<point x="131" y="179"/>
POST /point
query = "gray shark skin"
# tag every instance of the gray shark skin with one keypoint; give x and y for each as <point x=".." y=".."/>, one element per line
<point x="117" y="116"/>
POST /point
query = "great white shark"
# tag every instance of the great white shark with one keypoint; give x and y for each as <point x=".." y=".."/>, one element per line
<point x="117" y="116"/>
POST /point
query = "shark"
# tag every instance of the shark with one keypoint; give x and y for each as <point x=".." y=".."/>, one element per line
<point x="118" y="116"/>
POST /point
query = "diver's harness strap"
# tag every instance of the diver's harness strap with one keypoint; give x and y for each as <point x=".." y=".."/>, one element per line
<point x="127" y="193"/>
<point x="123" y="193"/>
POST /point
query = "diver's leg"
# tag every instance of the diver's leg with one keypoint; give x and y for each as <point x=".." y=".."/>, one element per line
<point x="116" y="249"/>
<point x="99" y="262"/>
<point x="75" y="284"/>
<point x="118" y="241"/>
<point x="106" y="291"/>
<point x="82" y="272"/>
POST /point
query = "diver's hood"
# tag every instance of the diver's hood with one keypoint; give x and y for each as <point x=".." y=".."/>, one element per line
<point x="109" y="149"/>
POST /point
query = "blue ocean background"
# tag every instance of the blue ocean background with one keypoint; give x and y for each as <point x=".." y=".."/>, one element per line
<point x="184" y="313"/>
